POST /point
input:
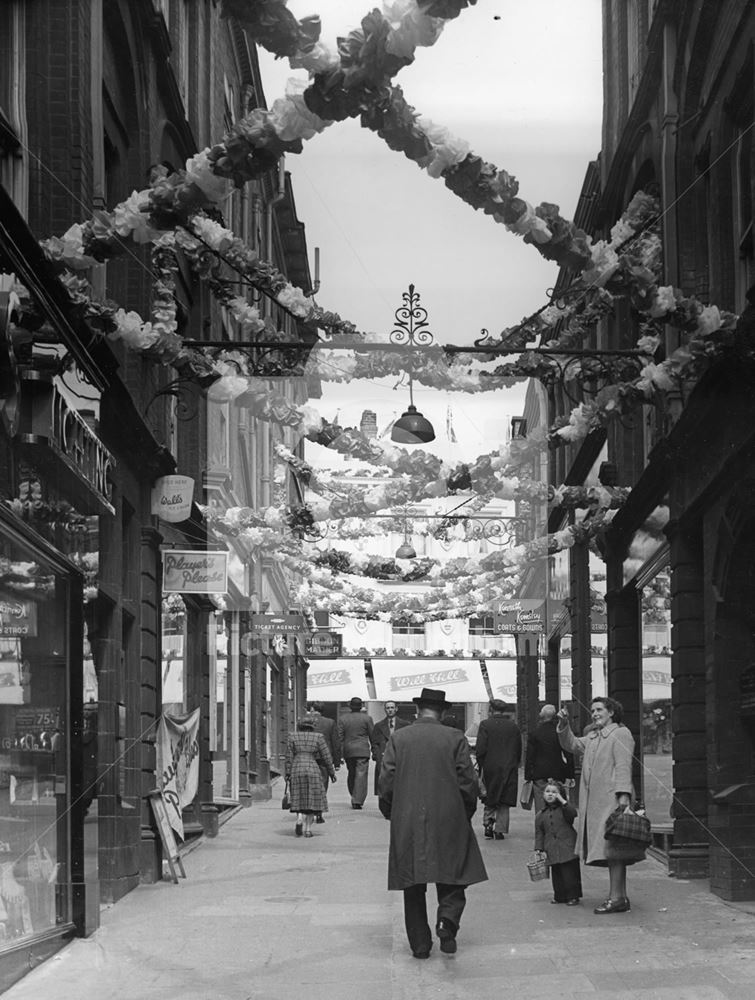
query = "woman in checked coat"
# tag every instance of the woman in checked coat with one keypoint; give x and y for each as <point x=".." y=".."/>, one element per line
<point x="305" y="749"/>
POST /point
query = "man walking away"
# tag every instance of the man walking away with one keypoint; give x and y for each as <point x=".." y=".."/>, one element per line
<point x="355" y="740"/>
<point x="498" y="751"/>
<point x="322" y="724"/>
<point x="545" y="759"/>
<point x="382" y="733"/>
<point x="428" y="790"/>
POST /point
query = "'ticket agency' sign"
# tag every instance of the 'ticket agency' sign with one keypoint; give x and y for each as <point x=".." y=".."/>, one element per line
<point x="192" y="572"/>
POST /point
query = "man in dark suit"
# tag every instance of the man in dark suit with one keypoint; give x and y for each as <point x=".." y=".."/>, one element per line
<point x="428" y="790"/>
<point x="498" y="750"/>
<point x="355" y="740"/>
<point x="382" y="733"/>
<point x="322" y="724"/>
<point x="545" y="759"/>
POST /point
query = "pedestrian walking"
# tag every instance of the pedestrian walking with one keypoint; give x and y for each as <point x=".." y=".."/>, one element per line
<point x="306" y="750"/>
<point x="355" y="741"/>
<point x="499" y="752"/>
<point x="545" y="759"/>
<point x="327" y="727"/>
<point x="381" y="733"/>
<point x="606" y="782"/>
<point x="428" y="790"/>
<point x="555" y="834"/>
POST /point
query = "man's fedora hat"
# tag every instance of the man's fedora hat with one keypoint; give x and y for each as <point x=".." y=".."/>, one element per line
<point x="356" y="703"/>
<point x="431" y="698"/>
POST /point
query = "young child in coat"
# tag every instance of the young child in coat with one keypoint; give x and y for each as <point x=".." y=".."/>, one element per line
<point x="555" y="834"/>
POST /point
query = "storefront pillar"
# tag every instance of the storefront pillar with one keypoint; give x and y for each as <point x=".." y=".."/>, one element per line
<point x="688" y="856"/>
<point x="202" y="815"/>
<point x="581" y="656"/>
<point x="553" y="672"/>
<point x="625" y="666"/>
<point x="150" y="851"/>
<point x="527" y="681"/>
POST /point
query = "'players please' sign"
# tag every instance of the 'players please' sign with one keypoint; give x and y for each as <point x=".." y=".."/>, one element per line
<point x="192" y="572"/>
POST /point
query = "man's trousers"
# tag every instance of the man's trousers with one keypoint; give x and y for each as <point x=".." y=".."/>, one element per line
<point x="356" y="781"/>
<point x="451" y="903"/>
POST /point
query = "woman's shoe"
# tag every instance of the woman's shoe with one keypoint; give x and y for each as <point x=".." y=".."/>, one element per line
<point x="489" y="835"/>
<point x="613" y="906"/>
<point x="572" y="902"/>
<point x="298" y="829"/>
<point x="499" y="836"/>
<point x="308" y="833"/>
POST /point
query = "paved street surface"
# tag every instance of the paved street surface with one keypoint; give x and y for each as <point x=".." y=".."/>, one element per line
<point x="263" y="915"/>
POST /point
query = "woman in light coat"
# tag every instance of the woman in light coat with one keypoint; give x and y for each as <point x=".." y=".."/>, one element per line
<point x="607" y="752"/>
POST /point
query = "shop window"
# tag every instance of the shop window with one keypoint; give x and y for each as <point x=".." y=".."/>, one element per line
<point x="35" y="724"/>
<point x="655" y="598"/>
<point x="407" y="636"/>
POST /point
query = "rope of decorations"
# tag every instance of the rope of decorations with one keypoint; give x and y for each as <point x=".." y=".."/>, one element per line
<point x="352" y="88"/>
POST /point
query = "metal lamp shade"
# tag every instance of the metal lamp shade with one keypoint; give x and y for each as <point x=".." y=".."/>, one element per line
<point x="412" y="428"/>
<point x="406" y="550"/>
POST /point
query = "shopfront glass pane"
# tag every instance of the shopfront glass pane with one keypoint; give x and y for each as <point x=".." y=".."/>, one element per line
<point x="34" y="729"/>
<point x="656" y="697"/>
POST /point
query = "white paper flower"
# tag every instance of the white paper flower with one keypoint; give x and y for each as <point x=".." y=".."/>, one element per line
<point x="291" y="118"/>
<point x="294" y="299"/>
<point x="709" y="320"/>
<point x="199" y="172"/>
<point x="133" y="331"/>
<point x="131" y="218"/>
<point x="213" y="234"/>
<point x="664" y="301"/>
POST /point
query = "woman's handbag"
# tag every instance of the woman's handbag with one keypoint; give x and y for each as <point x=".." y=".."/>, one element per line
<point x="627" y="835"/>
<point x="286" y="800"/>
<point x="537" y="866"/>
<point x="528" y="794"/>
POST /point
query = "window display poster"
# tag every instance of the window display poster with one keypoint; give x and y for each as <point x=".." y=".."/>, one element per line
<point x="178" y="764"/>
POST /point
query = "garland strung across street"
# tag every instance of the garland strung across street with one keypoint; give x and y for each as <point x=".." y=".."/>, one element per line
<point x="356" y="81"/>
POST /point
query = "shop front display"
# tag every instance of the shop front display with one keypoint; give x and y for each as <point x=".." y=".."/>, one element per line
<point x="35" y="729"/>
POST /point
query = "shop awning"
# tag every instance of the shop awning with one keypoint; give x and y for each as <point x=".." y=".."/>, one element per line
<point x="336" y="680"/>
<point x="403" y="678"/>
<point x="502" y="674"/>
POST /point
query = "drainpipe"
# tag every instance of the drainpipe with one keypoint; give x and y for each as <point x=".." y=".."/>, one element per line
<point x="269" y="207"/>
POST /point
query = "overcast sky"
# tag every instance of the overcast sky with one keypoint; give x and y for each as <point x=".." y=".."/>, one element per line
<point x="520" y="80"/>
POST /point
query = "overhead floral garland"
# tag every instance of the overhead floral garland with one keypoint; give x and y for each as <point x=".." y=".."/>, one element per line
<point x="171" y="215"/>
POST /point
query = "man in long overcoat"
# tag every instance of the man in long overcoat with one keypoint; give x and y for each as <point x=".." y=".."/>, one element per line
<point x="428" y="790"/>
<point x="498" y="751"/>
<point x="381" y="733"/>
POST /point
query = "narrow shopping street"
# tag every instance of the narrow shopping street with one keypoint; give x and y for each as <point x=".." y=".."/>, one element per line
<point x="263" y="915"/>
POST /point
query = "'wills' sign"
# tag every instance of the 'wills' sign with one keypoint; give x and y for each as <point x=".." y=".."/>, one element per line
<point x="172" y="498"/>
<point x="192" y="572"/>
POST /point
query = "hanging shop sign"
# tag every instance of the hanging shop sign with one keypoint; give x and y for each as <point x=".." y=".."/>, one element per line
<point x="523" y="615"/>
<point x="17" y="618"/>
<point x="337" y="680"/>
<point x="192" y="572"/>
<point x="323" y="644"/>
<point x="59" y="437"/>
<point x="278" y="624"/>
<point x="172" y="497"/>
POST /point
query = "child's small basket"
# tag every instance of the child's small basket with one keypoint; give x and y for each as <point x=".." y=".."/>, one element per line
<point x="537" y="866"/>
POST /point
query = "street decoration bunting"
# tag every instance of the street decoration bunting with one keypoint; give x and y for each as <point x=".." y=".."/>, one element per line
<point x="177" y="213"/>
